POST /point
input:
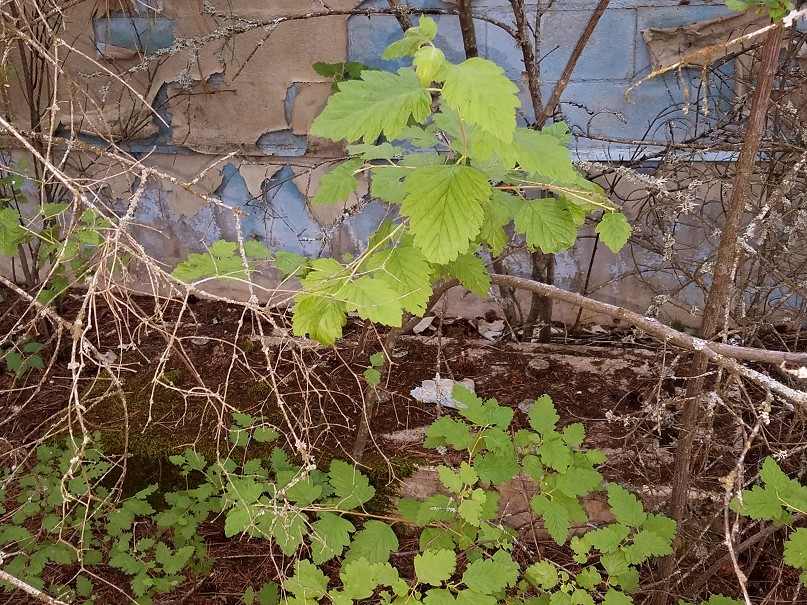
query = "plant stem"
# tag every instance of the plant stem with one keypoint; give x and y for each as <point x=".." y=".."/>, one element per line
<point x="715" y="313"/>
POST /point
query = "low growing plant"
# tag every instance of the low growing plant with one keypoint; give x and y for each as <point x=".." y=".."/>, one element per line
<point x="63" y="516"/>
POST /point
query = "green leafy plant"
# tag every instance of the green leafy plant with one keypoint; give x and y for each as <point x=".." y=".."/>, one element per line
<point x="339" y="72"/>
<point x="63" y="515"/>
<point x="777" y="9"/>
<point x="78" y="521"/>
<point x="779" y="498"/>
<point x="222" y="260"/>
<point x="23" y="356"/>
<point x="373" y="374"/>
<point x="459" y="170"/>
<point x="55" y="237"/>
<point x="439" y="142"/>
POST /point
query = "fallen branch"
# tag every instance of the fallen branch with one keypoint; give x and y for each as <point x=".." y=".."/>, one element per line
<point x="724" y="355"/>
<point x="34" y="592"/>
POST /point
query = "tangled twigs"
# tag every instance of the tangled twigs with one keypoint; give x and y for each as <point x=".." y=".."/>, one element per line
<point x="724" y="355"/>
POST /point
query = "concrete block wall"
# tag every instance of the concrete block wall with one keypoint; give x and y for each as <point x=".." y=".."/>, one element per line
<point x="250" y="95"/>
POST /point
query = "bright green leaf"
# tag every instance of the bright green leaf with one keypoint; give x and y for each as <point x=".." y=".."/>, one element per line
<point x="444" y="204"/>
<point x="337" y="185"/>
<point x="614" y="230"/>
<point x="375" y="543"/>
<point x="379" y="102"/>
<point x="543" y="417"/>
<point x="472" y="273"/>
<point x="352" y="488"/>
<point x="483" y="96"/>
<point x="626" y="507"/>
<point x="329" y="537"/>
<point x="435" y="566"/>
<point x="308" y="581"/>
<point x="547" y="225"/>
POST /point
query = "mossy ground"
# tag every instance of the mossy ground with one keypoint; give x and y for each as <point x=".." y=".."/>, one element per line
<point x="163" y="422"/>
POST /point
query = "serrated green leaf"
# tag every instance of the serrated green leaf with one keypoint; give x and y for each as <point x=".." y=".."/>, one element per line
<point x="264" y="434"/>
<point x="427" y="62"/>
<point x="616" y="597"/>
<point x="318" y="316"/>
<point x="470" y="597"/>
<point x="257" y="250"/>
<point x="352" y="488"/>
<point x="795" y="552"/>
<point x="574" y="434"/>
<point x="386" y="183"/>
<point x="237" y="521"/>
<point x="436" y="507"/>
<point x="491" y="576"/>
<point x="291" y="263"/>
<point x="435" y="566"/>
<point x="468" y="474"/>
<point x="472" y="273"/>
<point x="125" y="562"/>
<point x="358" y="580"/>
<point x="450" y="479"/>
<point x="374" y="542"/>
<point x="438" y="596"/>
<point x="542" y="575"/>
<point x="436" y="538"/>
<point x="614" y="230"/>
<point x="763" y="503"/>
<point x="372" y="376"/>
<point x="614" y="563"/>
<point x="555" y="454"/>
<point x="84" y="586"/>
<point x="471" y="510"/>
<point x="413" y="39"/>
<point x="308" y="581"/>
<point x="289" y="531"/>
<point x="382" y="151"/>
<point x="497" y="468"/>
<point x="405" y="271"/>
<point x="11" y="232"/>
<point x="269" y="594"/>
<point x="626" y="507"/>
<point x="608" y="538"/>
<point x="647" y="544"/>
<point x="483" y="96"/>
<point x="444" y="204"/>
<point x="543" y="417"/>
<point x="579" y="481"/>
<point x="661" y="526"/>
<point x="589" y="578"/>
<point x="448" y="431"/>
<point x="303" y="492"/>
<point x="497" y="216"/>
<point x="547" y="224"/>
<point x="417" y="136"/>
<point x="372" y="299"/>
<point x="378" y="103"/>
<point x="329" y="537"/>
<point x="337" y="185"/>
<point x="239" y="437"/>
<point x="555" y="515"/>
<point x="482" y="413"/>
<point x="544" y="155"/>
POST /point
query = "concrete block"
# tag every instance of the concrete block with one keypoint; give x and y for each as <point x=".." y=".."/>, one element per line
<point x="599" y="109"/>
<point x="608" y="55"/>
<point x="126" y="37"/>
<point x="283" y="143"/>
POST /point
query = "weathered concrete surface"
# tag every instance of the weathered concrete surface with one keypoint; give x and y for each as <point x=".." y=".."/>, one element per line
<point x="216" y="86"/>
